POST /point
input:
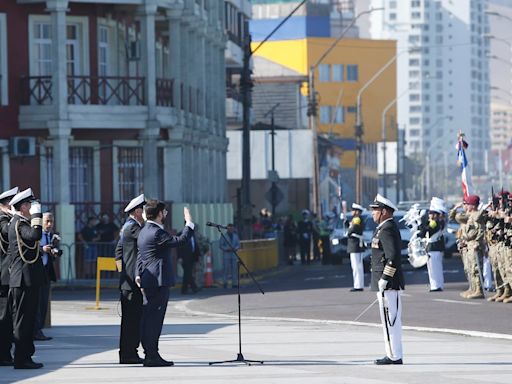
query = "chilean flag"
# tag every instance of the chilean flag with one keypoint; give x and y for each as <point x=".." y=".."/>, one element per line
<point x="462" y="162"/>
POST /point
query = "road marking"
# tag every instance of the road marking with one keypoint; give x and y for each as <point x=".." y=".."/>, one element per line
<point x="183" y="307"/>
<point x="456" y="301"/>
<point x="314" y="278"/>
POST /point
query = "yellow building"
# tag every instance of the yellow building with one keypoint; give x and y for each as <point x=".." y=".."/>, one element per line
<point x="338" y="79"/>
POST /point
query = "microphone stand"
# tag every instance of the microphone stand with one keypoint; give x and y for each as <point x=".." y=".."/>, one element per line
<point x="240" y="357"/>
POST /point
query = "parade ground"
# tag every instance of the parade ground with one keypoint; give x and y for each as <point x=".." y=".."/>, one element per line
<point x="312" y="345"/>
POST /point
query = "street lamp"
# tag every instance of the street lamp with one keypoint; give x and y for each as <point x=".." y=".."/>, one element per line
<point x="384" y="139"/>
<point x="427" y="154"/>
<point x="312" y="110"/>
<point x="495" y="88"/>
<point x="359" y="125"/>
<point x="489" y="36"/>
<point x="499" y="59"/>
<point x="492" y="13"/>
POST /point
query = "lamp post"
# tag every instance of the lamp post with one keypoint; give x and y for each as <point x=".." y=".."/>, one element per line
<point x="384" y="139"/>
<point x="427" y="155"/>
<point x="359" y="125"/>
<point x="312" y="108"/>
<point x="492" y="13"/>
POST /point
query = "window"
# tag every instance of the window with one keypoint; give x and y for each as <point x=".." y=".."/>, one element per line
<point x="392" y="4"/>
<point x="42" y="48"/>
<point x="414" y="120"/>
<point x="337" y="72"/>
<point x="392" y="16"/>
<point x="324" y="72"/>
<point x="340" y="115"/>
<point x="415" y="3"/>
<point x="3" y="59"/>
<point x="352" y="72"/>
<point x="103" y="52"/>
<point x="414" y="97"/>
<point x="130" y="172"/>
<point x="416" y="15"/>
<point x="414" y="62"/>
<point x="81" y="174"/>
<point x="325" y="114"/>
<point x="351" y="109"/>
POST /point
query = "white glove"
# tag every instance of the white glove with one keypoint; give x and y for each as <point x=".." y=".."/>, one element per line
<point x="35" y="208"/>
<point x="382" y="285"/>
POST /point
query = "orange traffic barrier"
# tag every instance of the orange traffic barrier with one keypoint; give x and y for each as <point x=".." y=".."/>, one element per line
<point x="208" y="272"/>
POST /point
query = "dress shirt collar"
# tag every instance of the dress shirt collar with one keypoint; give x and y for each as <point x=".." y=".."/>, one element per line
<point x="381" y="224"/>
<point x="154" y="222"/>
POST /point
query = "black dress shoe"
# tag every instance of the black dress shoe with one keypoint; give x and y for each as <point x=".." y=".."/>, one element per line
<point x="29" y="364"/>
<point x="42" y="338"/>
<point x="437" y="290"/>
<point x="131" y="360"/>
<point x="6" y="362"/>
<point x="356" y="290"/>
<point x="387" y="361"/>
<point x="157" y="362"/>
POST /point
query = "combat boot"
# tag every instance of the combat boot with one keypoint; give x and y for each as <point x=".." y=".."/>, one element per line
<point x="505" y="295"/>
<point x="466" y="293"/>
<point x="478" y="294"/>
<point x="498" y="293"/>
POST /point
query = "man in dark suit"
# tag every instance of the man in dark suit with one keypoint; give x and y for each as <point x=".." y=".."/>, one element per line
<point x="155" y="275"/>
<point x="388" y="277"/>
<point x="49" y="251"/>
<point x="189" y="255"/>
<point x="5" y="302"/>
<point x="131" y="296"/>
<point x="27" y="274"/>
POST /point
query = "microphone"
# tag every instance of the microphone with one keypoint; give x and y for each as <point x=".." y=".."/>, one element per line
<point x="210" y="224"/>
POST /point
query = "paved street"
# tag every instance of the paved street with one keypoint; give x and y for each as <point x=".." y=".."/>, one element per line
<point x="301" y="329"/>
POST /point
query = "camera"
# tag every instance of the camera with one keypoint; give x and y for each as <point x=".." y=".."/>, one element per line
<point x="56" y="252"/>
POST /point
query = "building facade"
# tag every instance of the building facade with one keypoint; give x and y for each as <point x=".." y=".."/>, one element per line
<point x="339" y="78"/>
<point x="103" y="100"/>
<point x="443" y="73"/>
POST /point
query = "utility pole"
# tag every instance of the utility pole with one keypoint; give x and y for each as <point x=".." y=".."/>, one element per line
<point x="246" y="85"/>
<point x="246" y="90"/>
<point x="274" y="175"/>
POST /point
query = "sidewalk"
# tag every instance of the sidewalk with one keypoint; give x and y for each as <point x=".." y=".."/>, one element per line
<point x="84" y="350"/>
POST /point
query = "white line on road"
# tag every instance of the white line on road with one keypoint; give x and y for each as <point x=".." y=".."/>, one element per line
<point x="183" y="307"/>
<point x="456" y="301"/>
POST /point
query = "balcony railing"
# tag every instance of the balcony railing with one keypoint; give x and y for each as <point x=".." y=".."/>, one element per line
<point x="106" y="90"/>
<point x="165" y="92"/>
<point x="36" y="90"/>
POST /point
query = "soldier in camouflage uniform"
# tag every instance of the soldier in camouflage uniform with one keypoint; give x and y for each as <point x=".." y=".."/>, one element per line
<point x="471" y="243"/>
<point x="493" y="238"/>
<point x="505" y="246"/>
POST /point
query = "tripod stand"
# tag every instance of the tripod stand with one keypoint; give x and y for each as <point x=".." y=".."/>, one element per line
<point x="240" y="357"/>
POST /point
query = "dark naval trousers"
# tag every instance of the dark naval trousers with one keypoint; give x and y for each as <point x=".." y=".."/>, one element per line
<point x="5" y="324"/>
<point x="153" y="314"/>
<point x="131" y="308"/>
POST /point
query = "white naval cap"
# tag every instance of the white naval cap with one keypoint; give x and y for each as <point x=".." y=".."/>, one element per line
<point x="382" y="202"/>
<point x="9" y="194"/>
<point x="135" y="203"/>
<point x="357" y="206"/>
<point x="22" y="197"/>
<point x="437" y="205"/>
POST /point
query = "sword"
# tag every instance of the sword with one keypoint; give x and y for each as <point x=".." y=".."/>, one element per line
<point x="385" y="311"/>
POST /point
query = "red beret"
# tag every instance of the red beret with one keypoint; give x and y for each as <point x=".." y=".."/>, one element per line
<point x="472" y="200"/>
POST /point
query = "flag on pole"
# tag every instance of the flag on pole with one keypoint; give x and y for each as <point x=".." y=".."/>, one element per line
<point x="462" y="162"/>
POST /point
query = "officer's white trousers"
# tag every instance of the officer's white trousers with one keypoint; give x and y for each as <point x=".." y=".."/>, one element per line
<point x="356" y="262"/>
<point x="435" y="270"/>
<point x="391" y="320"/>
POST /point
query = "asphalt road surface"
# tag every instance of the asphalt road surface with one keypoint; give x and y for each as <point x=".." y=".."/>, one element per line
<point x="322" y="292"/>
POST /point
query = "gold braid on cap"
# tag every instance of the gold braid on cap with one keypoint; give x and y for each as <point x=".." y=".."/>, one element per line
<point x="28" y="247"/>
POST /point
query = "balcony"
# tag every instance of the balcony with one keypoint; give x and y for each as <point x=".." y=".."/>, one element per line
<point x="85" y="90"/>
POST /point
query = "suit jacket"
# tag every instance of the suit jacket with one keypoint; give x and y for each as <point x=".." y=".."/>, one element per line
<point x="187" y="254"/>
<point x="154" y="264"/>
<point x="5" y="218"/>
<point x="24" y="274"/>
<point x="386" y="256"/>
<point x="126" y="251"/>
<point x="49" y="268"/>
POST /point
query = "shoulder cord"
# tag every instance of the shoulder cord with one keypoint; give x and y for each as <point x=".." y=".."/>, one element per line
<point x="2" y="241"/>
<point x="28" y="247"/>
